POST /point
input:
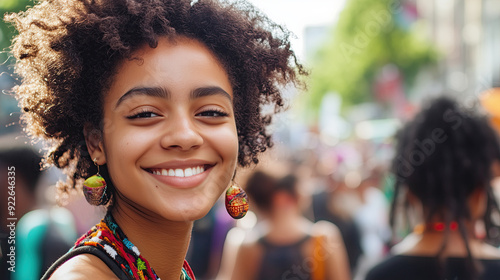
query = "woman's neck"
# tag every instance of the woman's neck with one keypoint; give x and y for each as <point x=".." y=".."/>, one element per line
<point x="430" y="241"/>
<point x="287" y="227"/>
<point x="161" y="242"/>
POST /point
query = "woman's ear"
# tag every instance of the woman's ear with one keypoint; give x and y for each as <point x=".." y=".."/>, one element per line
<point x="94" y="141"/>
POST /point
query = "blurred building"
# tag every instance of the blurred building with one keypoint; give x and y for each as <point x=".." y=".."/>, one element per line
<point x="466" y="32"/>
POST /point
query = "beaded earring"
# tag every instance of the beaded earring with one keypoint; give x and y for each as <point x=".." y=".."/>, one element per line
<point x="94" y="189"/>
<point x="236" y="202"/>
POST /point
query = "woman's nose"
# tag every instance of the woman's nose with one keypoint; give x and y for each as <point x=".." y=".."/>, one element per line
<point x="183" y="134"/>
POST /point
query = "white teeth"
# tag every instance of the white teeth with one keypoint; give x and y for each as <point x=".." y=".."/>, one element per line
<point x="179" y="173"/>
<point x="188" y="172"/>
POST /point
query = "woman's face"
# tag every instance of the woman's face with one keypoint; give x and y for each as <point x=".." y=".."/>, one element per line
<point x="170" y="139"/>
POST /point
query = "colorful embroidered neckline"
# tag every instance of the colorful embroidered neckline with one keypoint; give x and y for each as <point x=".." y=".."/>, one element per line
<point x="108" y="237"/>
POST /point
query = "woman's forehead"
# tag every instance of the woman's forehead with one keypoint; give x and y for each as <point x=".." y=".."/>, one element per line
<point x="179" y="63"/>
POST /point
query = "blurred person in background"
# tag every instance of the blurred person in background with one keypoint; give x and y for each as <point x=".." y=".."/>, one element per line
<point x="337" y="204"/>
<point x="443" y="169"/>
<point x="284" y="244"/>
<point x="490" y="102"/>
<point x="371" y="217"/>
<point x="207" y="241"/>
<point x="42" y="233"/>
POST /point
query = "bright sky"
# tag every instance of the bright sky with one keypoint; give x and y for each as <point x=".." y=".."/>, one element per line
<point x="297" y="14"/>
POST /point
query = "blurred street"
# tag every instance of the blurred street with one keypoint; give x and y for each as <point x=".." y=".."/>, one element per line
<point x="372" y="63"/>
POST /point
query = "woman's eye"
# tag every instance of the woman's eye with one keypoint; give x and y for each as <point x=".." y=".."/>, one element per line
<point x="212" y="113"/>
<point x="143" y="115"/>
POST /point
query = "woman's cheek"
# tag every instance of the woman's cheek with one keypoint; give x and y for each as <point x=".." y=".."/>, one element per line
<point x="227" y="141"/>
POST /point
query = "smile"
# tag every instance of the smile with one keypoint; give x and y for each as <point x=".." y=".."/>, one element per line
<point x="181" y="175"/>
<point x="186" y="172"/>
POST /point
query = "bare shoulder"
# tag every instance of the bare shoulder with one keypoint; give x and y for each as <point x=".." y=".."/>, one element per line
<point x="83" y="267"/>
<point x="330" y="236"/>
<point x="489" y="252"/>
<point x="247" y="260"/>
<point x="408" y="245"/>
<point x="250" y="247"/>
<point x="327" y="229"/>
<point x="247" y="247"/>
<point x="332" y="250"/>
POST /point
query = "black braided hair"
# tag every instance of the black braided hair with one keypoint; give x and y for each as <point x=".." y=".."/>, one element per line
<point x="445" y="153"/>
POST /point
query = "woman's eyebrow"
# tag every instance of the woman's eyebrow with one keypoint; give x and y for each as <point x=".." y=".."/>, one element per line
<point x="207" y="91"/>
<point x="148" y="91"/>
<point x="164" y="93"/>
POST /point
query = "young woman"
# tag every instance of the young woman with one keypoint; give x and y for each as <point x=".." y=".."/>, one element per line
<point x="443" y="167"/>
<point x="285" y="245"/>
<point x="161" y="98"/>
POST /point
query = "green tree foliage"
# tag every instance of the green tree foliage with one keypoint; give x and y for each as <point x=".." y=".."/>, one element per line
<point x="369" y="34"/>
<point x="6" y="29"/>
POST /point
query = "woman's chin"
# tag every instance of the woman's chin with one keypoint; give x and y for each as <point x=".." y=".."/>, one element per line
<point x="190" y="214"/>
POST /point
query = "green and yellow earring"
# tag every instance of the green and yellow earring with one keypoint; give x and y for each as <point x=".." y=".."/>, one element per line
<point x="236" y="202"/>
<point x="94" y="189"/>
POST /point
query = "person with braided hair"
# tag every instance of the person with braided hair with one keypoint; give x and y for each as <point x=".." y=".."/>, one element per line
<point x="443" y="169"/>
<point x="164" y="97"/>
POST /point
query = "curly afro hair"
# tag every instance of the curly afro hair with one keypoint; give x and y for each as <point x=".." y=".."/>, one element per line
<point x="67" y="52"/>
<point x="444" y="154"/>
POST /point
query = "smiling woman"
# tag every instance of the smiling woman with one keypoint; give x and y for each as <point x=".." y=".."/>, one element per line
<point x="164" y="98"/>
<point x="172" y="113"/>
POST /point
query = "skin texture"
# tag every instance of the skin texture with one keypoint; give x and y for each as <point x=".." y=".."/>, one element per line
<point x="83" y="267"/>
<point x="169" y="131"/>
<point x="172" y="131"/>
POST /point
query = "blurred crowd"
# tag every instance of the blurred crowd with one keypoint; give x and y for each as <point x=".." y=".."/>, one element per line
<point x="338" y="193"/>
<point x="322" y="212"/>
<point x="418" y="205"/>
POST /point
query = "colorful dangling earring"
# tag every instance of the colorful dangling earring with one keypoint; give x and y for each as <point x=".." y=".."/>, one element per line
<point x="94" y="189"/>
<point x="236" y="202"/>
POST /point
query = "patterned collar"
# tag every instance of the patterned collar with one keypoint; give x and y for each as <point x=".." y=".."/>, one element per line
<point x="108" y="237"/>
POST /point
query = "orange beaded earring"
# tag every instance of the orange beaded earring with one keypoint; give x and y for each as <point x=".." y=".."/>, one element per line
<point x="236" y="201"/>
<point x="94" y="189"/>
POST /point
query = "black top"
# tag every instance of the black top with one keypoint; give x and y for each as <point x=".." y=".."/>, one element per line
<point x="87" y="250"/>
<point x="428" y="268"/>
<point x="350" y="232"/>
<point x="283" y="261"/>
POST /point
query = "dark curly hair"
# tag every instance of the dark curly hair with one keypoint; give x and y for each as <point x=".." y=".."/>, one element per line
<point x="445" y="153"/>
<point x="67" y="53"/>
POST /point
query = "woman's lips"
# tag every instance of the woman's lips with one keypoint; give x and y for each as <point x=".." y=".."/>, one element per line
<point x="187" y="177"/>
<point x="179" y="172"/>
